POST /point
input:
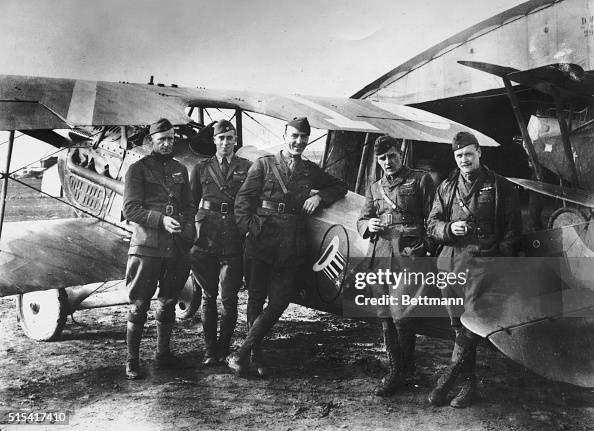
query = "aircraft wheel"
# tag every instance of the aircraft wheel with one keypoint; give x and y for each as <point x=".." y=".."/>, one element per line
<point x="567" y="216"/>
<point x="189" y="299"/>
<point x="42" y="315"/>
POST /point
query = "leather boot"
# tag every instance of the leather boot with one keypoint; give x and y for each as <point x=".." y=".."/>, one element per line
<point x="133" y="337"/>
<point x="164" y="358"/>
<point x="224" y="344"/>
<point x="465" y="344"/>
<point x="393" y="380"/>
<point x="209" y="330"/>
<point x="407" y="340"/>
<point x="240" y="361"/>
<point x="468" y="392"/>
<point x="258" y="361"/>
<point x="257" y="357"/>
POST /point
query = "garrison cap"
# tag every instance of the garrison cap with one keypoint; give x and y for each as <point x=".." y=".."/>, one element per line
<point x="301" y="124"/>
<point x="463" y="139"/>
<point x="222" y="126"/>
<point x="159" y="126"/>
<point x="384" y="143"/>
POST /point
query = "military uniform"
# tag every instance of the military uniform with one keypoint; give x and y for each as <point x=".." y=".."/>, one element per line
<point x="156" y="187"/>
<point x="403" y="203"/>
<point x="490" y="205"/>
<point x="155" y="255"/>
<point x="217" y="252"/>
<point x="276" y="237"/>
<point x="491" y="208"/>
<point x="409" y="199"/>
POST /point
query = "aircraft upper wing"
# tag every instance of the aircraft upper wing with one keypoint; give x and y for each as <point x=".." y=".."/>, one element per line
<point x="51" y="103"/>
<point x="570" y="79"/>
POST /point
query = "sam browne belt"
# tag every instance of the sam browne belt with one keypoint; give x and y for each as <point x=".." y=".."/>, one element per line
<point x="223" y="208"/>
<point x="279" y="207"/>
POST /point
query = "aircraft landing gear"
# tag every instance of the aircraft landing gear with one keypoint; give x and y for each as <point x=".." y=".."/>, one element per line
<point x="42" y="315"/>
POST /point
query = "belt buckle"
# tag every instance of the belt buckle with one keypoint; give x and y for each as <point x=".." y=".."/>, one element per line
<point x="281" y="207"/>
<point x="224" y="208"/>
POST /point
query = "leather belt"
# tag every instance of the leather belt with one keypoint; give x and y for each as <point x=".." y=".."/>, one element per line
<point x="279" y="207"/>
<point x="223" y="208"/>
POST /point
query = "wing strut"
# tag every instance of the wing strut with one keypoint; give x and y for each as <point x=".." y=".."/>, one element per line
<point x="523" y="129"/>
<point x="5" y="179"/>
<point x="565" y="136"/>
<point x="363" y="164"/>
<point x="239" y="127"/>
<point x="557" y="80"/>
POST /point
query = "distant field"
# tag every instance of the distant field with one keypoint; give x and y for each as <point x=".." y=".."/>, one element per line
<point x="24" y="203"/>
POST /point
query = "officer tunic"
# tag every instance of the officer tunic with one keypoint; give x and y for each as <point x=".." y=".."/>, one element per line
<point x="155" y="256"/>
<point x="217" y="231"/>
<point x="275" y="226"/>
<point x="410" y="193"/>
<point x="216" y="256"/>
<point x="278" y="237"/>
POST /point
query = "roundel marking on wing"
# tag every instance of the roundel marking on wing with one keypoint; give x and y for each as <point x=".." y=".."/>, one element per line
<point x="334" y="117"/>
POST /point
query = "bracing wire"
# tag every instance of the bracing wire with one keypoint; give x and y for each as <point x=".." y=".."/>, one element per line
<point x="61" y="200"/>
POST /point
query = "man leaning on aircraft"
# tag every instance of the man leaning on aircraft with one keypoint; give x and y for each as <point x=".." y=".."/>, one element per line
<point x="476" y="213"/>
<point x="394" y="215"/>
<point x="280" y="190"/>
<point x="217" y="253"/>
<point x="157" y="201"/>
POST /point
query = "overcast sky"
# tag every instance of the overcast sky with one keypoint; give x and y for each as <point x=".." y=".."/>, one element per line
<point x="331" y="47"/>
<point x="321" y="47"/>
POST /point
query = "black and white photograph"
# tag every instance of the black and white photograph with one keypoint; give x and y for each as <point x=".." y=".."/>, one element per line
<point x="297" y="215"/>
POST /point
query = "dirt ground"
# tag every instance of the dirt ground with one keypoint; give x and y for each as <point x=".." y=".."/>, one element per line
<point x="324" y="369"/>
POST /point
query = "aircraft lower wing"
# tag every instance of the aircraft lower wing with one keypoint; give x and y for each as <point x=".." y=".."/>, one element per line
<point x="539" y="322"/>
<point x="553" y="335"/>
<point x="50" y="103"/>
<point x="577" y="196"/>
<point x="51" y="254"/>
<point x="539" y="309"/>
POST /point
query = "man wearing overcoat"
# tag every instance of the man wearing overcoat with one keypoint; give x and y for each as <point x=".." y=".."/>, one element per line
<point x="475" y="217"/>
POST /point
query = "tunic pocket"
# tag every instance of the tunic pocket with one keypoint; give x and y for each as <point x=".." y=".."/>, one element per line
<point x="145" y="237"/>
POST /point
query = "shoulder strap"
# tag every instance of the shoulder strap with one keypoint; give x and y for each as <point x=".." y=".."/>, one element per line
<point x="217" y="181"/>
<point x="462" y="203"/>
<point x="214" y="176"/>
<point x="277" y="174"/>
<point x="389" y="201"/>
<point x="464" y="200"/>
<point x="450" y="202"/>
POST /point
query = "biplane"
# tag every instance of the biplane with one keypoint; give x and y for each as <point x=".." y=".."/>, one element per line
<point x="59" y="266"/>
<point x="525" y="77"/>
<point x="56" y="267"/>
